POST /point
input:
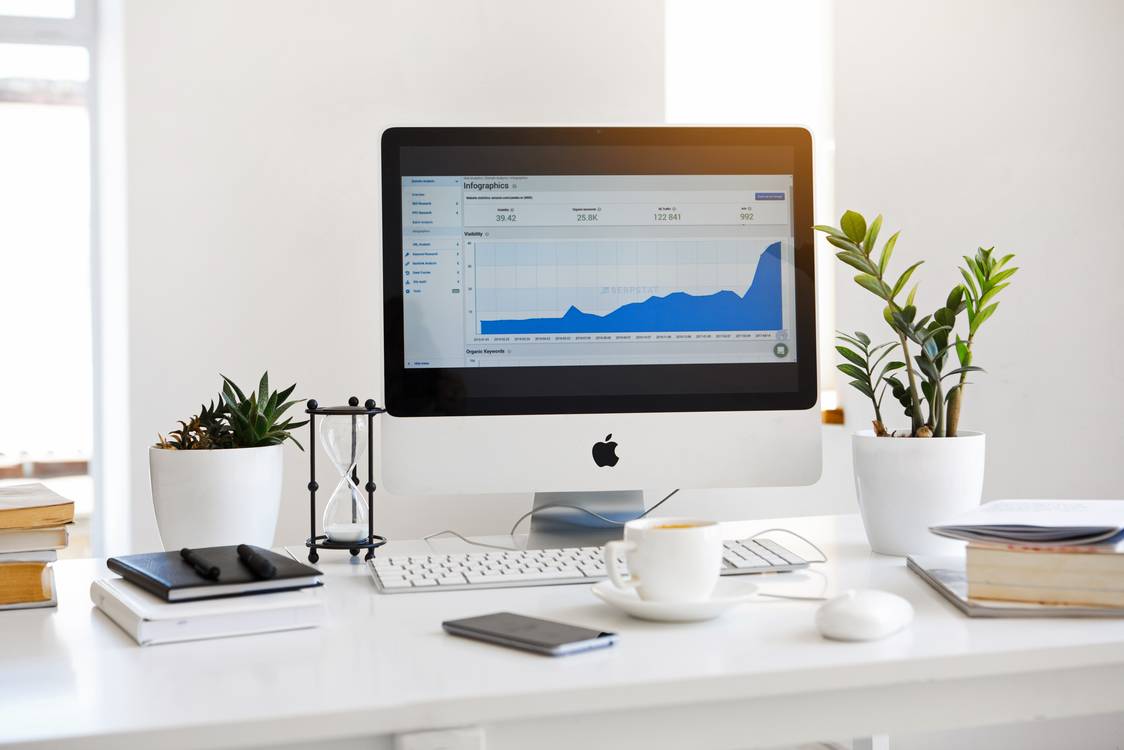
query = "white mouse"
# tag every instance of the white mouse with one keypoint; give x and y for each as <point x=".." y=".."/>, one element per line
<point x="863" y="615"/>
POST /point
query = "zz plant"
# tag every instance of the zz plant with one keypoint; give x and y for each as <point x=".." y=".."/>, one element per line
<point x="922" y="344"/>
<point x="238" y="421"/>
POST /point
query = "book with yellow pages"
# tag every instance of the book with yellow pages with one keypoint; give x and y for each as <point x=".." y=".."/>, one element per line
<point x="33" y="506"/>
<point x="24" y="585"/>
<point x="1091" y="575"/>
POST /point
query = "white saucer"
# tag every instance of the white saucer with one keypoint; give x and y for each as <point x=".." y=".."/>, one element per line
<point x="727" y="595"/>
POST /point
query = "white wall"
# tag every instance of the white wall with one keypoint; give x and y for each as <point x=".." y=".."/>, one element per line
<point x="253" y="201"/>
<point x="1000" y="123"/>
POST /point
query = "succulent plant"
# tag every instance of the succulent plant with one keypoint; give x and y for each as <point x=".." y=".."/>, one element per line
<point x="256" y="420"/>
<point x="237" y="421"/>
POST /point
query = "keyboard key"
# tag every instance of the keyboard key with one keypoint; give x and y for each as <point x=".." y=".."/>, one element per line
<point x="789" y="557"/>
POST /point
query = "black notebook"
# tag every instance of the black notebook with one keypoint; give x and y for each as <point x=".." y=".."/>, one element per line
<point x="170" y="578"/>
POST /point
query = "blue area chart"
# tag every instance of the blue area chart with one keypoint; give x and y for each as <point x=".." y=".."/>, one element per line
<point x="759" y="309"/>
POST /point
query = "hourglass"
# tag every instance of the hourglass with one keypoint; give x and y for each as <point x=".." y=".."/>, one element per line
<point x="344" y="434"/>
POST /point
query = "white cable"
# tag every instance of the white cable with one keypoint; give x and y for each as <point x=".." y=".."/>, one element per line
<point x="823" y="555"/>
<point x="471" y="541"/>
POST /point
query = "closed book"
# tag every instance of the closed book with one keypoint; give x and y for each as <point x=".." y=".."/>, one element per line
<point x="32" y="506"/>
<point x="33" y="540"/>
<point x="24" y="582"/>
<point x="149" y="620"/>
<point x="48" y="582"/>
<point x="43" y="556"/>
<point x="947" y="575"/>
<point x="1090" y="575"/>
<point x="166" y="575"/>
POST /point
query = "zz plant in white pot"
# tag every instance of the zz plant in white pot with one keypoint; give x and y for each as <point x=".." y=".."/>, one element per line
<point x="935" y="470"/>
<point x="217" y="479"/>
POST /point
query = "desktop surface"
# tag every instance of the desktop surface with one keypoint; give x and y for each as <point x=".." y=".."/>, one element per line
<point x="381" y="665"/>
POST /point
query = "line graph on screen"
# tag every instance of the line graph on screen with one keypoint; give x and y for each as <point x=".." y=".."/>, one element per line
<point x="608" y="286"/>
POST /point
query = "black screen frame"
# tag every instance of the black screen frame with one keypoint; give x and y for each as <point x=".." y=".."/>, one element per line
<point x="595" y="389"/>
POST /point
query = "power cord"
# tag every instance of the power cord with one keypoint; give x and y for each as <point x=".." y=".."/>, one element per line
<point x="587" y="511"/>
<point x="535" y="510"/>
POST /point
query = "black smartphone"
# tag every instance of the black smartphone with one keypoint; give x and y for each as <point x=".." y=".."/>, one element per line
<point x="530" y="633"/>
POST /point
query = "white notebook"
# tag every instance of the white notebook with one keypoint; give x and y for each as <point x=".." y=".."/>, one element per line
<point x="150" y="620"/>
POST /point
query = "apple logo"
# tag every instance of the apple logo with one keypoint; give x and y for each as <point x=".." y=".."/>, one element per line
<point x="605" y="454"/>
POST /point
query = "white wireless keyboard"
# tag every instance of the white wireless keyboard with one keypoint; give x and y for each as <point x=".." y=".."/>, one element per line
<point x="546" y="567"/>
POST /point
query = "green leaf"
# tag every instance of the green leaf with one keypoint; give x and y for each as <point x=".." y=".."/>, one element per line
<point x="890" y="367"/>
<point x="854" y="372"/>
<point x="263" y="388"/>
<point x="971" y="285"/>
<point x="945" y="317"/>
<point x="856" y="261"/>
<point x="955" y="300"/>
<point x="850" y="355"/>
<point x="959" y="370"/>
<point x="1003" y="275"/>
<point x="845" y="244"/>
<point x="901" y="282"/>
<point x="887" y="251"/>
<point x="1003" y="261"/>
<point x="983" y="315"/>
<point x="862" y="387"/>
<point x="863" y="338"/>
<point x="981" y="277"/>
<point x="829" y="231"/>
<point x="874" y="285"/>
<point x="911" y="296"/>
<point x="992" y="292"/>
<point x="961" y="351"/>
<point x="231" y="383"/>
<point x="281" y="396"/>
<point x="872" y="234"/>
<point x="853" y="225"/>
<point x="927" y="367"/>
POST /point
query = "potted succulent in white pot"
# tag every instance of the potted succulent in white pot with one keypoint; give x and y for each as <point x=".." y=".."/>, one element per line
<point x="911" y="479"/>
<point x="217" y="479"/>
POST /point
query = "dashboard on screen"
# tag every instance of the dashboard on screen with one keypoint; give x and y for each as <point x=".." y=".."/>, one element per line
<point x="591" y="270"/>
<point x="524" y="270"/>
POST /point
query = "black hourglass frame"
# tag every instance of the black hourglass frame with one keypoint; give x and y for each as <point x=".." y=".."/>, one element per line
<point x="321" y="541"/>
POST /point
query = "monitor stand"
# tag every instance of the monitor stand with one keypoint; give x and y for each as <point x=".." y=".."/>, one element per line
<point x="552" y="528"/>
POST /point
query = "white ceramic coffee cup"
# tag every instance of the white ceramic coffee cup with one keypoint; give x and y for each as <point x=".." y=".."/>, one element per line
<point x="669" y="559"/>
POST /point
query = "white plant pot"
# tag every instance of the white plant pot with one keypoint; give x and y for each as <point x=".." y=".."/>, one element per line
<point x="906" y="485"/>
<point x="209" y="498"/>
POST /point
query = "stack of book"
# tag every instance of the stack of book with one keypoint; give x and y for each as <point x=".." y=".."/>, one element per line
<point x="162" y="597"/>
<point x="1053" y="553"/>
<point x="33" y="527"/>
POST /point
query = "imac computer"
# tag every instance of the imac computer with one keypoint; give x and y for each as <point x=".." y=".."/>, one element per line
<point x="584" y="312"/>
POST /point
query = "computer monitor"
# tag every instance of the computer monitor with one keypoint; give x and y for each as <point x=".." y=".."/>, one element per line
<point x="596" y="311"/>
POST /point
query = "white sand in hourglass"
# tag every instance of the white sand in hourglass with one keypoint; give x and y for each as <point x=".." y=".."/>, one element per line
<point x="346" y="532"/>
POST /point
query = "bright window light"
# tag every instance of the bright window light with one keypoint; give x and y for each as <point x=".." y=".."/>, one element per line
<point x="751" y="62"/>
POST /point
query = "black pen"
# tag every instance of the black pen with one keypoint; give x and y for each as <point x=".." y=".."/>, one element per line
<point x="260" y="565"/>
<point x="202" y="567"/>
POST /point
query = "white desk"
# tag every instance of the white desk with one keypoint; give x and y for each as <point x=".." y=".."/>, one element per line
<point x="381" y="666"/>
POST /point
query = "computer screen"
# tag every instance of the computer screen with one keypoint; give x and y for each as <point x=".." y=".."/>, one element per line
<point x="595" y="270"/>
<point x="517" y="270"/>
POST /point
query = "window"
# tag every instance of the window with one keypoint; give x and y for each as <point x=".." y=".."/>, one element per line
<point x="752" y="62"/>
<point x="45" y="311"/>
